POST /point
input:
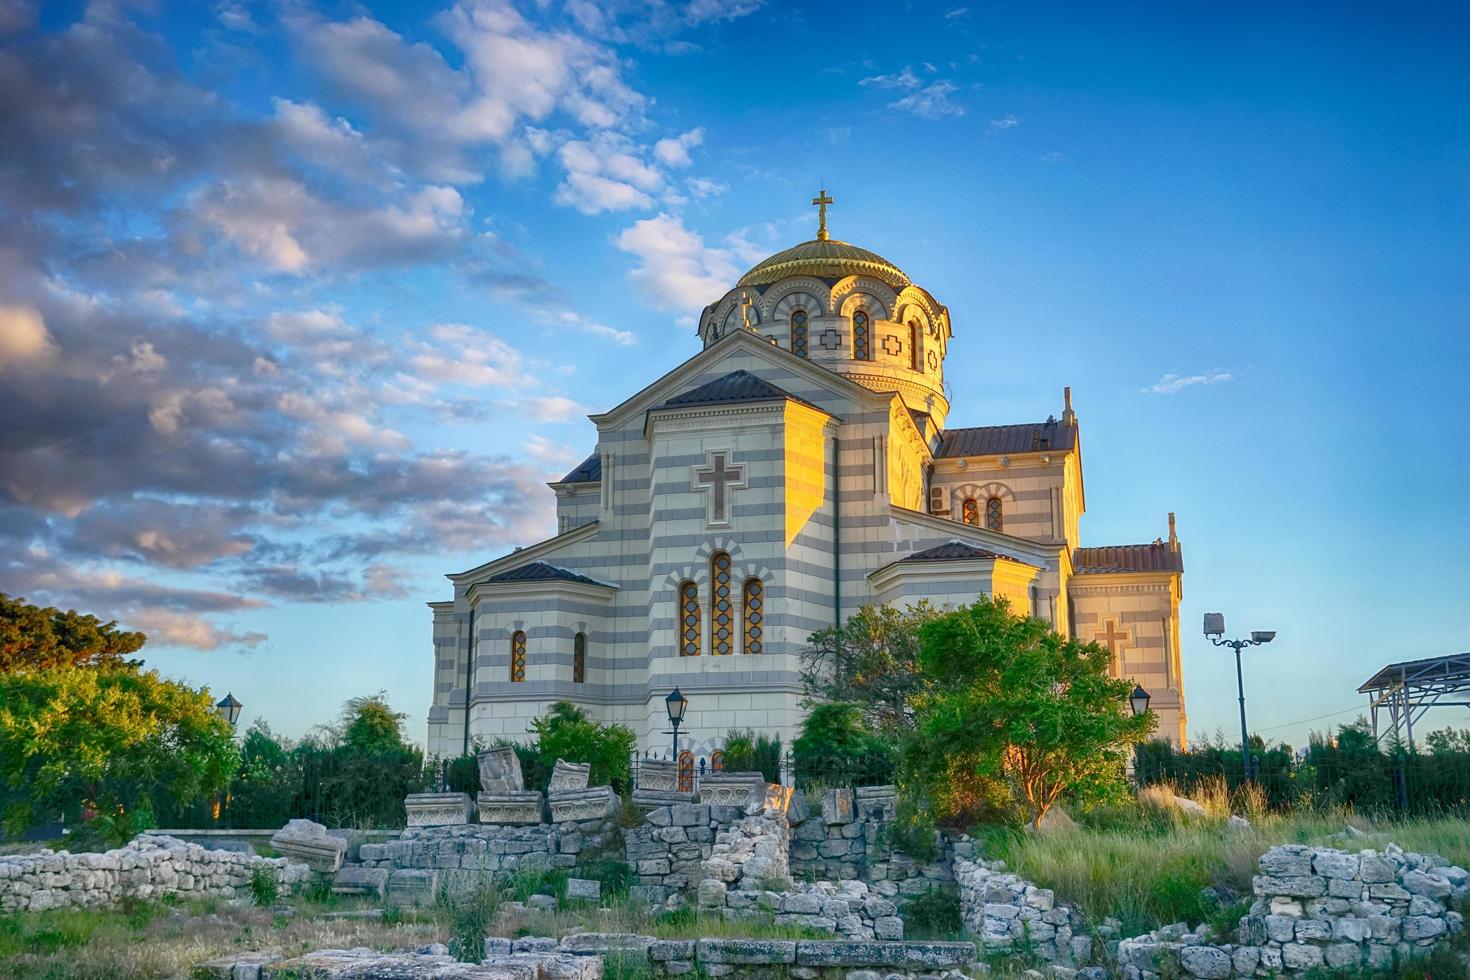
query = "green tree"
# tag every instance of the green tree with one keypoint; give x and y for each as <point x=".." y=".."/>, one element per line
<point x="369" y="724"/>
<point x="872" y="662"/>
<point x="1010" y="699"/>
<point x="746" y="751"/>
<point x="565" y="732"/>
<point x="118" y="743"/>
<point x="39" y="637"/>
<point x="363" y="766"/>
<point x="837" y="748"/>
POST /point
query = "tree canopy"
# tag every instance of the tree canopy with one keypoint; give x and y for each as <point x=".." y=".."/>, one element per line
<point x="36" y="636"/>
<point x="117" y="743"/>
<point x="872" y="662"/>
<point x="1008" y="699"/>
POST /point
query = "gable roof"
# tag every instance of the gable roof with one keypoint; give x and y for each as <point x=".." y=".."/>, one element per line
<point x="587" y="471"/>
<point x="993" y="440"/>
<point x="737" y="386"/>
<point x="1155" y="557"/>
<point x="952" y="551"/>
<point x="540" y="571"/>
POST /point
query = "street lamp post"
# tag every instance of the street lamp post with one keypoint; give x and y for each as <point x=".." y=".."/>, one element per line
<point x="676" y="704"/>
<point x="1138" y="702"/>
<point x="229" y="709"/>
<point x="1215" y="629"/>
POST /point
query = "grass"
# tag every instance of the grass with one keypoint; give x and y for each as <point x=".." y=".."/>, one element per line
<point x="1146" y="865"/>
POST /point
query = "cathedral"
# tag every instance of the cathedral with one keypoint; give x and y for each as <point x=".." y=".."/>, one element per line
<point x="800" y="465"/>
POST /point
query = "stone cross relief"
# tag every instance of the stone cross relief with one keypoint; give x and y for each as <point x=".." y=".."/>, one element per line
<point x="891" y="345"/>
<point x="1111" y="637"/>
<point x="719" y="478"/>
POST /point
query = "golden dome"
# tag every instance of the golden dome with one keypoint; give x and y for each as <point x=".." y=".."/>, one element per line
<point x="826" y="259"/>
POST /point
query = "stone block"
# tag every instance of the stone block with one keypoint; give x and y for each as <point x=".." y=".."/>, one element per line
<point x="776" y="801"/>
<point x="653" y="801"/>
<point x="436" y="810"/>
<point x="928" y="956"/>
<point x="597" y="943"/>
<point x="1374" y="868"/>
<point x="689" y="815"/>
<point x="657" y="775"/>
<point x="1417" y="927"/>
<point x="1313" y="929"/>
<point x="542" y="903"/>
<point x="745" y="951"/>
<point x="820" y="952"/>
<point x="744" y="791"/>
<point x="889" y="927"/>
<point x="584" y="889"/>
<point x="412" y="887"/>
<point x="568" y="776"/>
<point x="1342" y="956"/>
<point x="358" y="880"/>
<point x="310" y="844"/>
<point x="1286" y="861"/>
<point x="1430" y="886"/>
<point x="598" y="803"/>
<point x="1335" y="864"/>
<point x="879" y="803"/>
<point x="665" y="950"/>
<point x="1206" y="962"/>
<point x="1308" y="886"/>
<point x="1299" y="956"/>
<point x="712" y="892"/>
<point x="798" y="811"/>
<point x="837" y="806"/>
<point x="519" y="808"/>
<point x="500" y="772"/>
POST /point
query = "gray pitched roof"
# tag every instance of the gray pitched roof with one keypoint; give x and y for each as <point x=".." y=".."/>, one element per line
<point x="737" y="386"/>
<point x="992" y="440"/>
<point x="587" y="471"/>
<point x="540" y="571"/>
<point x="1156" y="557"/>
<point x="957" y="550"/>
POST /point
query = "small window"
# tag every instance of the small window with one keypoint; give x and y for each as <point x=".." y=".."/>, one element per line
<point x="798" y="333"/>
<point x="755" y="616"/>
<point x="862" y="337"/>
<point x="518" y="656"/>
<point x="970" y="512"/>
<point x="689" y="620"/>
<point x="721" y="607"/>
<point x="686" y="771"/>
<point x="579" y="658"/>
<point x="717" y="761"/>
<point x="993" y="517"/>
<point x="914" y="362"/>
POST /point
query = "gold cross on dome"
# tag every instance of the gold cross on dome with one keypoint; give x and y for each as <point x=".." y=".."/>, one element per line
<point x="821" y="201"/>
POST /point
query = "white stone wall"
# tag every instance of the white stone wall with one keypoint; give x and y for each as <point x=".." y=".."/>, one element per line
<point x="148" y="866"/>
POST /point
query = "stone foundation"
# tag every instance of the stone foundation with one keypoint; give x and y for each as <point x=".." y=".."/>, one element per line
<point x="669" y="849"/>
<point x="148" y="867"/>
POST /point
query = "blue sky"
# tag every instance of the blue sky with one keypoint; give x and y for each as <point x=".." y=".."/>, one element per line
<point x="300" y="304"/>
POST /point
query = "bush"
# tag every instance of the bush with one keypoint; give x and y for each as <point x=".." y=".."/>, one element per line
<point x="264" y="889"/>
<point x="745" y="751"/>
<point x="912" y="832"/>
<point x="933" y="915"/>
<point x="462" y="775"/>
<point x="565" y="732"/>
<point x="470" y="916"/>
<point x="836" y="748"/>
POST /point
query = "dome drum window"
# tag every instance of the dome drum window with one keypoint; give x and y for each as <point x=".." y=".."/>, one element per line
<point x="994" y="519"/>
<point x="862" y="337"/>
<point x="799" y="333"/>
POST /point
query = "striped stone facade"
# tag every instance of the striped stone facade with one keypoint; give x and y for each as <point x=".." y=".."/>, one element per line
<point x="812" y="482"/>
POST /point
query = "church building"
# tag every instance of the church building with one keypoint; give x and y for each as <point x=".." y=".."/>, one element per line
<point x="800" y="465"/>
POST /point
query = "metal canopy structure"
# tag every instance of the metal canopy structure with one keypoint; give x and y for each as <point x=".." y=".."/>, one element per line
<point x="1405" y="691"/>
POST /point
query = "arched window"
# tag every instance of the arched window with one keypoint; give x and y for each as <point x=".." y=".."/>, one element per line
<point x="518" y="656"/>
<point x="721" y="607"/>
<point x="755" y="615"/>
<point x="686" y="771"/>
<point x="717" y="761"/>
<point x="798" y="333"/>
<point x="914" y="362"/>
<point x="993" y="518"/>
<point x="862" y="337"/>
<point x="689" y="620"/>
<point x="970" y="512"/>
<point x="579" y="658"/>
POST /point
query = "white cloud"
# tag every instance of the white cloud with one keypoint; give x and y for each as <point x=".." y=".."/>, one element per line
<point x="674" y="151"/>
<point x="702" y="187"/>
<point x="24" y="338"/>
<point x="676" y="270"/>
<point x="932" y="102"/>
<point x="1171" y="383"/>
<point x="1004" y="123"/>
<point x="905" y="79"/>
